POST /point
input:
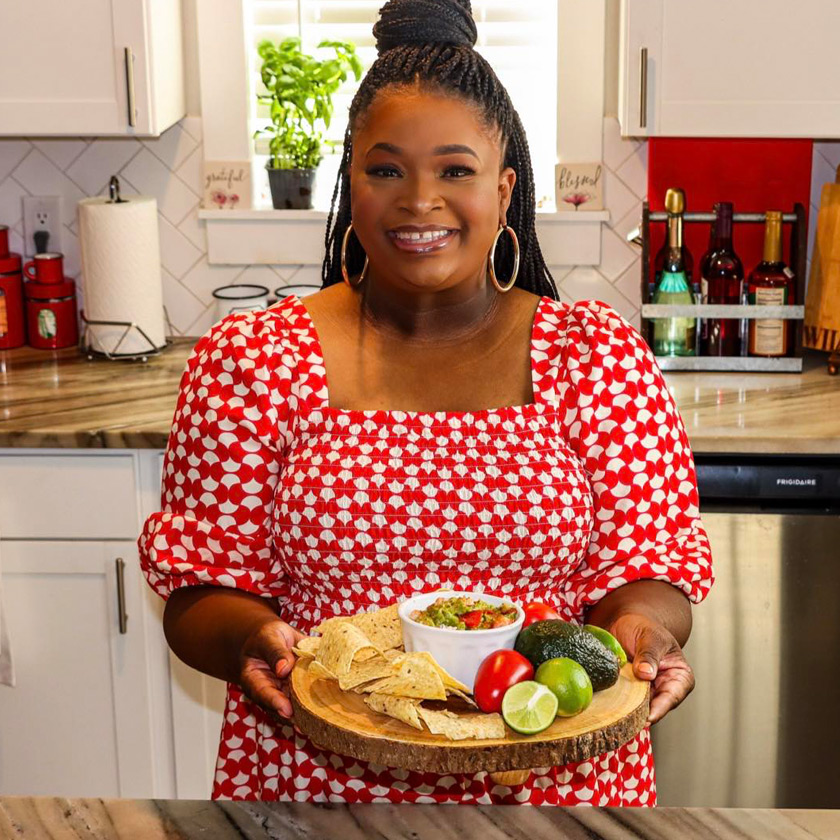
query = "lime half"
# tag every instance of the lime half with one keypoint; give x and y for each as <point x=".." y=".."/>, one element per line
<point x="529" y="707"/>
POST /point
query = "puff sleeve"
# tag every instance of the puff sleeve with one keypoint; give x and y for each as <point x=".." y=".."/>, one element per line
<point x="623" y="424"/>
<point x="222" y="463"/>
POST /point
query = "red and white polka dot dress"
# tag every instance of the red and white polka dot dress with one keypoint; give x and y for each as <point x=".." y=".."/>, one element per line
<point x="269" y="489"/>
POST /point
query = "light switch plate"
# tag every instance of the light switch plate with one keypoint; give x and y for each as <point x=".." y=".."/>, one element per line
<point x="41" y="213"/>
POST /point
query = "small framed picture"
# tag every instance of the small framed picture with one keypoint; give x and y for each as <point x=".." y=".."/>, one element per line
<point x="227" y="185"/>
<point x="579" y="186"/>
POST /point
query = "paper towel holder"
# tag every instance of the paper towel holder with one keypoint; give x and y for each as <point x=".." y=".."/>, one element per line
<point x="114" y="191"/>
<point x="141" y="355"/>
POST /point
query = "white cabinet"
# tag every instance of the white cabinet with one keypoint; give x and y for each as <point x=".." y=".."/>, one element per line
<point x="78" y="722"/>
<point x="90" y="67"/>
<point x="96" y="711"/>
<point x="751" y="68"/>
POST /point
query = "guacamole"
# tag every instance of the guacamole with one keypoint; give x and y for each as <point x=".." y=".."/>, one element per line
<point x="465" y="613"/>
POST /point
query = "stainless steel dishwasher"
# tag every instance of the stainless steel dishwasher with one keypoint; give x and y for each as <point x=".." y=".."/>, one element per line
<point x="762" y="727"/>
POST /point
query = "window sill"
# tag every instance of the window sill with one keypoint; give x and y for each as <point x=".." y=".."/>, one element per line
<point x="250" y="237"/>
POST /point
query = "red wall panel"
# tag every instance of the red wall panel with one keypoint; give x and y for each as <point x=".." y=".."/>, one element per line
<point x="754" y="174"/>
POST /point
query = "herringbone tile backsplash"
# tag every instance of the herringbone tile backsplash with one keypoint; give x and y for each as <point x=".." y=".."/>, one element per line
<point x="169" y="168"/>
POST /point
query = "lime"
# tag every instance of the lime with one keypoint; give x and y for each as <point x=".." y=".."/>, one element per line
<point x="608" y="641"/>
<point x="569" y="682"/>
<point x="529" y="707"/>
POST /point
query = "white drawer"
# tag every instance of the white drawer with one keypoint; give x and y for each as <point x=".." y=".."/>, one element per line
<point x="67" y="497"/>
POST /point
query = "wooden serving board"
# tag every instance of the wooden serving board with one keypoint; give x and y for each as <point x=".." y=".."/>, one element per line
<point x="341" y="722"/>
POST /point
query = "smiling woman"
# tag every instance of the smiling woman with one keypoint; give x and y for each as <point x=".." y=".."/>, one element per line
<point x="433" y="417"/>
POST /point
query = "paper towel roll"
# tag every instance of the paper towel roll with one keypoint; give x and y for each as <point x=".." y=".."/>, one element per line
<point x="121" y="272"/>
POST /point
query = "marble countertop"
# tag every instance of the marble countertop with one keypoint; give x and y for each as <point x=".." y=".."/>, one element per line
<point x="63" y="399"/>
<point x="145" y="819"/>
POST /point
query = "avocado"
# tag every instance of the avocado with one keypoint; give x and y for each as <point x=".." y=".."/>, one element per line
<point x="544" y="640"/>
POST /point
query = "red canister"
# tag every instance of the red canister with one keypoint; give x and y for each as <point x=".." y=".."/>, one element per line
<point x="11" y="295"/>
<point x="51" y="319"/>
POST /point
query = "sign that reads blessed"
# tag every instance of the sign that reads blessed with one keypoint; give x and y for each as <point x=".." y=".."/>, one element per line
<point x="227" y="185"/>
<point x="579" y="186"/>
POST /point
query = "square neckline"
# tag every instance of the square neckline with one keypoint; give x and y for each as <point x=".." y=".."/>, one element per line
<point x="401" y="413"/>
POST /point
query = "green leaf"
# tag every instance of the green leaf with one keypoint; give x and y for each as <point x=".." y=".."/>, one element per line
<point x="298" y="90"/>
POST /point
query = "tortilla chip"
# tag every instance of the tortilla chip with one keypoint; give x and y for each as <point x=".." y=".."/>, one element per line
<point x="307" y="647"/>
<point x="463" y="695"/>
<point x="448" y="680"/>
<point x="400" y="708"/>
<point x="339" y="646"/>
<point x="382" y="627"/>
<point x="365" y="672"/>
<point x="414" y="677"/>
<point x="460" y="727"/>
<point x="319" y="672"/>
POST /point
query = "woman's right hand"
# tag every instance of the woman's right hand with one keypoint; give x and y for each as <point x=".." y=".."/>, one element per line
<point x="265" y="661"/>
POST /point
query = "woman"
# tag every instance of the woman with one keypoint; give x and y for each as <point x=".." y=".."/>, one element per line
<point x="418" y="423"/>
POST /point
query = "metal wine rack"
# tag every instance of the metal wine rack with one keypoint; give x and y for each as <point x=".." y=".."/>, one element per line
<point x="795" y="311"/>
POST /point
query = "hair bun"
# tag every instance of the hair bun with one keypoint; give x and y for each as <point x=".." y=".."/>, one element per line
<point x="415" y="22"/>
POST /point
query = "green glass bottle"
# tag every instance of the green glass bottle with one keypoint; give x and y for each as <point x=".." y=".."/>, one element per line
<point x="674" y="336"/>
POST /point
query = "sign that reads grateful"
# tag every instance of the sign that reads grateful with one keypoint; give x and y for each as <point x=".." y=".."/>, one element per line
<point x="227" y="185"/>
<point x="579" y="186"/>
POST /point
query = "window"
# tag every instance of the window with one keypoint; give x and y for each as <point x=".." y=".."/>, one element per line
<point x="518" y="39"/>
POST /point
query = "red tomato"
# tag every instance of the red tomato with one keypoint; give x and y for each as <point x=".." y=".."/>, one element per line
<point x="496" y="674"/>
<point x="473" y="618"/>
<point x="538" y="611"/>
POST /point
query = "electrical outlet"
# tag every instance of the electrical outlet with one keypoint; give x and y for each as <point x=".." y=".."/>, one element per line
<point x="41" y="213"/>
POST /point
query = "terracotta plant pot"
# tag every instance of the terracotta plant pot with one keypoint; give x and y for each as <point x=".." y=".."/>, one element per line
<point x="291" y="189"/>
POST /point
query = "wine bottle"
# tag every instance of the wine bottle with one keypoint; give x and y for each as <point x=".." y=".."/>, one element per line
<point x="675" y="205"/>
<point x="721" y="281"/>
<point x="674" y="336"/>
<point x="771" y="284"/>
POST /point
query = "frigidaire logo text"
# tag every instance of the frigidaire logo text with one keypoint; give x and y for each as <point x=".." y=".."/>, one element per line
<point x="797" y="482"/>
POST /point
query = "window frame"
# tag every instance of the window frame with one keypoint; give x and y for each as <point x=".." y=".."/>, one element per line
<point x="245" y="236"/>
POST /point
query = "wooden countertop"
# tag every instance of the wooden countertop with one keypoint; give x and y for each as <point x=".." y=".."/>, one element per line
<point x="62" y="399"/>
<point x="147" y="819"/>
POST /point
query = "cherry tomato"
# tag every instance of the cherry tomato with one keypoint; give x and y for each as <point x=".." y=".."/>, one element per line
<point x="496" y="674"/>
<point x="538" y="611"/>
<point x="473" y="618"/>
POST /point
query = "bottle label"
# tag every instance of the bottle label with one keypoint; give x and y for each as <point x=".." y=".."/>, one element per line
<point x="704" y="290"/>
<point x="768" y="335"/>
<point x="673" y="282"/>
<point x="47" y="327"/>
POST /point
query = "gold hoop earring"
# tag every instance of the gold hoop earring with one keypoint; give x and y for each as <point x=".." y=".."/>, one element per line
<point x="344" y="260"/>
<point x="493" y="278"/>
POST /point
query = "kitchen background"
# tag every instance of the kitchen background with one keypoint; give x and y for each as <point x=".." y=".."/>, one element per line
<point x="169" y="168"/>
<point x="81" y="441"/>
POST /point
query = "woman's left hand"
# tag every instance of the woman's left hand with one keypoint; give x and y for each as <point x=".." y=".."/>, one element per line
<point x="656" y="656"/>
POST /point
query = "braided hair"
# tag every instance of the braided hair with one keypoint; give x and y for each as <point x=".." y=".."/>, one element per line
<point x="431" y="42"/>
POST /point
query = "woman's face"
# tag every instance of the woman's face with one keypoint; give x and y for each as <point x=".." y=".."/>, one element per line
<point x="425" y="162"/>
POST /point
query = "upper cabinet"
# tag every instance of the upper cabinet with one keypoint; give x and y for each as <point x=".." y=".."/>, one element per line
<point x="90" y="67"/>
<point x="724" y="68"/>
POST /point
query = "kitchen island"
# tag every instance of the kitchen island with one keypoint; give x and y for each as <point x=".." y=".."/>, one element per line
<point x="62" y="399"/>
<point x="138" y="819"/>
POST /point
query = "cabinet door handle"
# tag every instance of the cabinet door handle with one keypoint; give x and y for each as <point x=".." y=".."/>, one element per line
<point x="129" y="85"/>
<point x="643" y="87"/>
<point x="122" y="614"/>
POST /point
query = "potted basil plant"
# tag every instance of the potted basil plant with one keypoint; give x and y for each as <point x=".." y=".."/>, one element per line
<point x="299" y="89"/>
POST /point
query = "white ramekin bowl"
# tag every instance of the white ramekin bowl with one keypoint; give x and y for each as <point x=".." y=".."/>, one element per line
<point x="460" y="652"/>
